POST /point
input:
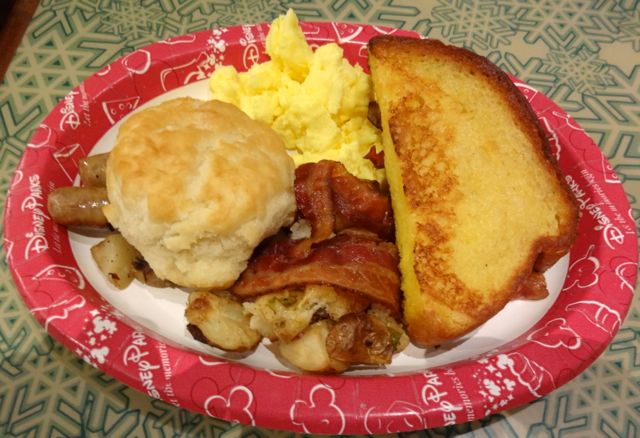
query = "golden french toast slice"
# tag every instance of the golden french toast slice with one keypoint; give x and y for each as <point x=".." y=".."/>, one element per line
<point x="480" y="207"/>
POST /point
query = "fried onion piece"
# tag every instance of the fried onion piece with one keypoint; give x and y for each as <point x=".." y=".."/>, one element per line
<point x="219" y="320"/>
<point x="308" y="352"/>
<point x="399" y="337"/>
<point x="360" y="338"/>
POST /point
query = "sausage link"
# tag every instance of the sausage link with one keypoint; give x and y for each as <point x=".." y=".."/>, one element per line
<point x="78" y="206"/>
<point x="93" y="170"/>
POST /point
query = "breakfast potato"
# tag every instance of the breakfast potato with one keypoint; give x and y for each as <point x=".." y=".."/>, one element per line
<point x="121" y="263"/>
<point x="330" y="346"/>
<point x="218" y="319"/>
<point x="399" y="338"/>
<point x="115" y="258"/>
<point x="144" y="274"/>
<point x="309" y="351"/>
<point x="285" y="314"/>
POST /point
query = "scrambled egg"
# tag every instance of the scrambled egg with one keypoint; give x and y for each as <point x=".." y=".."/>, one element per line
<point x="316" y="101"/>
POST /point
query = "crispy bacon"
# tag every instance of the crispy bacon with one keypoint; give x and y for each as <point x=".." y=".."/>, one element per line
<point x="332" y="199"/>
<point x="376" y="158"/>
<point x="360" y="258"/>
<point x="354" y="260"/>
<point x="374" y="115"/>
<point x="534" y="287"/>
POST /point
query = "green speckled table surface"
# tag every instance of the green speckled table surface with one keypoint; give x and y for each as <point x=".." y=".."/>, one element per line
<point x="584" y="55"/>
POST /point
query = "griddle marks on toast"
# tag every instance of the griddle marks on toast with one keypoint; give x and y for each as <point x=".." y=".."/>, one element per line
<point x="411" y="125"/>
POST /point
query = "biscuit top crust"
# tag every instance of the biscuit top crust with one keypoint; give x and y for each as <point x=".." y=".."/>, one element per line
<point x="208" y="158"/>
<point x="195" y="186"/>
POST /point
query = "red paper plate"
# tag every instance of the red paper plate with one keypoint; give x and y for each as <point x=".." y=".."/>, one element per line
<point x="139" y="335"/>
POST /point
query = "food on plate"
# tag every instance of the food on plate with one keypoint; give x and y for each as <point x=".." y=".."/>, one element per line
<point x="218" y="319"/>
<point x="315" y="100"/>
<point x="315" y="328"/>
<point x="327" y="299"/>
<point x="121" y="263"/>
<point x="345" y="247"/>
<point x="82" y="206"/>
<point x="479" y="205"/>
<point x="309" y="351"/>
<point x="78" y="206"/>
<point x="285" y="314"/>
<point x="330" y="346"/>
<point x="92" y="170"/>
<point x="330" y="198"/>
<point x="354" y="259"/>
<point x="116" y="257"/>
<point x="195" y="186"/>
<point x="206" y="196"/>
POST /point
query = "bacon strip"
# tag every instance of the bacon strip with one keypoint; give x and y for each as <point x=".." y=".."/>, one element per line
<point x="355" y="260"/>
<point x="332" y="199"/>
<point x="534" y="287"/>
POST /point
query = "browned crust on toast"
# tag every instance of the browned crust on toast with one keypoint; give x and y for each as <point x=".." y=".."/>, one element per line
<point x="406" y="116"/>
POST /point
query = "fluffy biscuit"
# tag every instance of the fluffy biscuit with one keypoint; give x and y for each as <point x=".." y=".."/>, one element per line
<point x="195" y="186"/>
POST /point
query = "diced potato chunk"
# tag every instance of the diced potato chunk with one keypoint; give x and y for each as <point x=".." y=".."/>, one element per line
<point x="114" y="257"/>
<point x="219" y="320"/>
<point x="284" y="315"/>
<point x="309" y="352"/>
<point x="144" y="274"/>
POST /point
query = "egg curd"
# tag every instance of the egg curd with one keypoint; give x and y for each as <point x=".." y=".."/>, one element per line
<point x="316" y="100"/>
